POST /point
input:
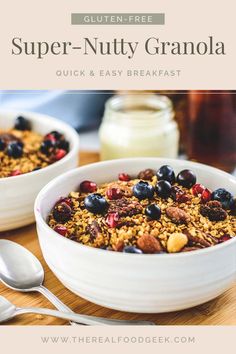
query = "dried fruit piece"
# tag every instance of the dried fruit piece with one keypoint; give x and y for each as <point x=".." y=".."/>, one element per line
<point x="61" y="229"/>
<point x="114" y="193"/>
<point x="124" y="177"/>
<point x="149" y="244"/>
<point x="125" y="207"/>
<point x="59" y="154"/>
<point x="146" y="175"/>
<point x="224" y="238"/>
<point x="213" y="211"/>
<point x="94" y="230"/>
<point x="197" y="189"/>
<point x="62" y="212"/>
<point x="88" y="187"/>
<point x="112" y="219"/>
<point x="176" y="242"/>
<point x="15" y="173"/>
<point x="179" y="195"/>
<point x="206" y="195"/>
<point x="177" y="215"/>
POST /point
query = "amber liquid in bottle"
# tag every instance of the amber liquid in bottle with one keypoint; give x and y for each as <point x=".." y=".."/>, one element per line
<point x="212" y="128"/>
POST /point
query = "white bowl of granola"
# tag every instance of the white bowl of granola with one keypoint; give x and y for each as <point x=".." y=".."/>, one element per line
<point x="26" y="166"/>
<point x="148" y="271"/>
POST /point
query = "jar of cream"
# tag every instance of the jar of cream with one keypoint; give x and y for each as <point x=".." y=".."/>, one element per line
<point x="138" y="126"/>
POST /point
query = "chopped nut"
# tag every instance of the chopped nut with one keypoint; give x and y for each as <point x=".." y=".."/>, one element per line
<point x="196" y="240"/>
<point x="177" y="215"/>
<point x="176" y="242"/>
<point x="149" y="244"/>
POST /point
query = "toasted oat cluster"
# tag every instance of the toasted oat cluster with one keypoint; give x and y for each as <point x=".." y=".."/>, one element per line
<point x="23" y="150"/>
<point x="154" y="212"/>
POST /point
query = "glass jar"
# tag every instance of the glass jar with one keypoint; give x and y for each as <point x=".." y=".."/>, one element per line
<point x="212" y="128"/>
<point x="138" y="126"/>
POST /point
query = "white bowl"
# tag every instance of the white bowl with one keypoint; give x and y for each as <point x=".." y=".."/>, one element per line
<point x="17" y="194"/>
<point x="130" y="282"/>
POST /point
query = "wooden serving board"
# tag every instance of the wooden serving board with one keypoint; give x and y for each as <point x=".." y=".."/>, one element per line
<point x="221" y="311"/>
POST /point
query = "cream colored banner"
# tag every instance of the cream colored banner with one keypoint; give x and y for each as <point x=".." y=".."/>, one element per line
<point x="91" y="340"/>
<point x="51" y="53"/>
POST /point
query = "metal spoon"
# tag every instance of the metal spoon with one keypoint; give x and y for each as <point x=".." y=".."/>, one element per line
<point x="20" y="270"/>
<point x="9" y="311"/>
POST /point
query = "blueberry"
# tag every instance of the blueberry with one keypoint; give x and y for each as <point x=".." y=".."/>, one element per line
<point x="95" y="203"/>
<point x="63" y="144"/>
<point x="186" y="178"/>
<point x="163" y="189"/>
<point x="143" y="190"/>
<point x="223" y="196"/>
<point x="14" y="150"/>
<point x="2" y="145"/>
<point x="47" y="146"/>
<point x="166" y="173"/>
<point x="233" y="206"/>
<point x="153" y="211"/>
<point x="132" y="249"/>
<point x="22" y="124"/>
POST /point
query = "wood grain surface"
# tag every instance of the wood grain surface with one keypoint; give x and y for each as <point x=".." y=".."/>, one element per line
<point x="221" y="311"/>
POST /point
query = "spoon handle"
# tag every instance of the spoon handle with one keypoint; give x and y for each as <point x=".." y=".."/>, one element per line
<point x="54" y="300"/>
<point x="86" y="320"/>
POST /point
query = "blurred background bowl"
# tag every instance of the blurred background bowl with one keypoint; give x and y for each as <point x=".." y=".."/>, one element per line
<point x="17" y="194"/>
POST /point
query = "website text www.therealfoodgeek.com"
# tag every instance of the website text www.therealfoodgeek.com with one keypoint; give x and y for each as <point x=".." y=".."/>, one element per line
<point x="105" y="73"/>
<point x="119" y="340"/>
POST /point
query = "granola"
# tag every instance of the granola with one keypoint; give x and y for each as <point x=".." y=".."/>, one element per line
<point x="23" y="150"/>
<point x="161" y="213"/>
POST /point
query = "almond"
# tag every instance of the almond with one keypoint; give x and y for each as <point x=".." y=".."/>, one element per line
<point x="149" y="244"/>
<point x="177" y="215"/>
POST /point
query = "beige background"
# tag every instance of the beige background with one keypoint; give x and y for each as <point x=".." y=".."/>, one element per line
<point x="50" y="20"/>
<point x="26" y="340"/>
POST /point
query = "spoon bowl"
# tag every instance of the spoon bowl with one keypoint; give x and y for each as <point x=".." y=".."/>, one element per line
<point x="7" y="309"/>
<point x="19" y="268"/>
